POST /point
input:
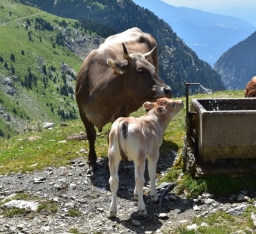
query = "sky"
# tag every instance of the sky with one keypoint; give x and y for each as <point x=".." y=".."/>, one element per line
<point x="243" y="9"/>
<point x="209" y="5"/>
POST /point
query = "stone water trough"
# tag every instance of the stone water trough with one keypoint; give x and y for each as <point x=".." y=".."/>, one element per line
<point x="220" y="136"/>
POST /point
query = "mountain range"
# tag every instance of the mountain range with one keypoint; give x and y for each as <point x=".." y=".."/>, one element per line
<point x="237" y="65"/>
<point x="208" y="34"/>
<point x="178" y="63"/>
<point x="42" y="52"/>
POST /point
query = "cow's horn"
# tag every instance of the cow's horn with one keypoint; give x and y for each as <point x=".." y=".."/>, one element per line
<point x="149" y="53"/>
<point x="126" y="55"/>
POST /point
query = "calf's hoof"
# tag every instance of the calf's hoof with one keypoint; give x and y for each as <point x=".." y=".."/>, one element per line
<point x="142" y="212"/>
<point x="154" y="198"/>
<point x="112" y="214"/>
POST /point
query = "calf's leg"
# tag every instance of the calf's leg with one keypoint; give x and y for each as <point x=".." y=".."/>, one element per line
<point x="152" y="175"/>
<point x="113" y="181"/>
<point x="140" y="180"/>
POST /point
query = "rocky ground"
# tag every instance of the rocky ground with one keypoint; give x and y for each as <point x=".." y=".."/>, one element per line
<point x="73" y="199"/>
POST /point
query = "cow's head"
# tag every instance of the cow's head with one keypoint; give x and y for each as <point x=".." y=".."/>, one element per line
<point x="140" y="80"/>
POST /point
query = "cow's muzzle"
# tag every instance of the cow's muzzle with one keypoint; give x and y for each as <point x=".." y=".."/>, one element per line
<point x="167" y="91"/>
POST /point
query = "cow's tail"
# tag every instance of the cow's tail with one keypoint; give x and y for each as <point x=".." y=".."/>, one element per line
<point x="122" y="130"/>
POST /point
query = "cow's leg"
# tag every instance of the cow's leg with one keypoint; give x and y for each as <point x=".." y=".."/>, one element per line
<point x="140" y="180"/>
<point x="152" y="161"/>
<point x="113" y="181"/>
<point x="91" y="136"/>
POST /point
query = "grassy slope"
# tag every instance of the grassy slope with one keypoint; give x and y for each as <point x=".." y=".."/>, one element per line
<point x="38" y="52"/>
<point x="47" y="145"/>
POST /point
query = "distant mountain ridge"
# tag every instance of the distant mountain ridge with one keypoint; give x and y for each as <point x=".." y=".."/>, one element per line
<point x="237" y="65"/>
<point x="208" y="34"/>
<point x="178" y="63"/>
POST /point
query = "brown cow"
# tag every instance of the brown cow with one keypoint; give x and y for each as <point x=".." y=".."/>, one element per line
<point x="113" y="83"/>
<point x="250" y="90"/>
<point x="139" y="139"/>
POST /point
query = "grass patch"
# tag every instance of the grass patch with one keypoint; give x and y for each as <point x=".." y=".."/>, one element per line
<point x="74" y="213"/>
<point x="48" y="206"/>
<point x="73" y="230"/>
<point x="13" y="212"/>
<point x="222" y="223"/>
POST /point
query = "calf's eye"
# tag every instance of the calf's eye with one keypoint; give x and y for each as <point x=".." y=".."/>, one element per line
<point x="173" y="105"/>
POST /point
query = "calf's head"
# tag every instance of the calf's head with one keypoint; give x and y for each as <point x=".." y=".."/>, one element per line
<point x="164" y="108"/>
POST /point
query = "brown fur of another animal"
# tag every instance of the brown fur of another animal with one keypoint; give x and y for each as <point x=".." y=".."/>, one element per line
<point x="250" y="90"/>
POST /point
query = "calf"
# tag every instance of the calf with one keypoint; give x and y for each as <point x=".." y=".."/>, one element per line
<point x="139" y="139"/>
<point x="250" y="90"/>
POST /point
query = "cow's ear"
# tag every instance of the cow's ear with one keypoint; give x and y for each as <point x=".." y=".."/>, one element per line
<point x="112" y="64"/>
<point x="160" y="109"/>
<point x="148" y="105"/>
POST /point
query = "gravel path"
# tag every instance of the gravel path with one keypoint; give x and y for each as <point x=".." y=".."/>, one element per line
<point x="82" y="200"/>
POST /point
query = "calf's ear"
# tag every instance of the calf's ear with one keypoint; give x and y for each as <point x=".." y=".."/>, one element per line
<point x="148" y="105"/>
<point x="113" y="65"/>
<point x="160" y="109"/>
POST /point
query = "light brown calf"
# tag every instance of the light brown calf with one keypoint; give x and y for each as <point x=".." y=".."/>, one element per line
<point x="139" y="139"/>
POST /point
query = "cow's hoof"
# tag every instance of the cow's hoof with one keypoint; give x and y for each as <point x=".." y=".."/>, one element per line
<point x="142" y="212"/>
<point x="94" y="165"/>
<point x="112" y="214"/>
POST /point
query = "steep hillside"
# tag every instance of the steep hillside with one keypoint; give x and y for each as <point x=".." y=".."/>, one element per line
<point x="178" y="63"/>
<point x="38" y="67"/>
<point x="237" y="65"/>
<point x="209" y="35"/>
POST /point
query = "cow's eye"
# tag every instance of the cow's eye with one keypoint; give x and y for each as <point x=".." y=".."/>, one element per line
<point x="141" y="71"/>
<point x="173" y="105"/>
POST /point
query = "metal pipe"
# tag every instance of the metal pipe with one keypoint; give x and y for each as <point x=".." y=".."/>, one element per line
<point x="187" y="100"/>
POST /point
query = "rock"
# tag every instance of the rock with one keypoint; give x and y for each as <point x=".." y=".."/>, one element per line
<point x="203" y="224"/>
<point x="39" y="180"/>
<point x="163" y="185"/>
<point x="196" y="208"/>
<point x="136" y="223"/>
<point x="63" y="141"/>
<point x="27" y="205"/>
<point x="240" y="197"/>
<point x="253" y="218"/>
<point x="1" y="110"/>
<point x="192" y="227"/>
<point x="11" y="196"/>
<point x="163" y="216"/>
<point x="9" y="90"/>
<point x="73" y="185"/>
<point x="47" y="125"/>
<point x="7" y="81"/>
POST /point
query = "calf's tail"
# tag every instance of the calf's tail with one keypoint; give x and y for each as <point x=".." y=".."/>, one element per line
<point x="122" y="130"/>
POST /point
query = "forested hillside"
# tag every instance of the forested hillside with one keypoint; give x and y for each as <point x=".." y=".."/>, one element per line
<point x="178" y="63"/>
<point x="38" y="65"/>
<point x="237" y="65"/>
